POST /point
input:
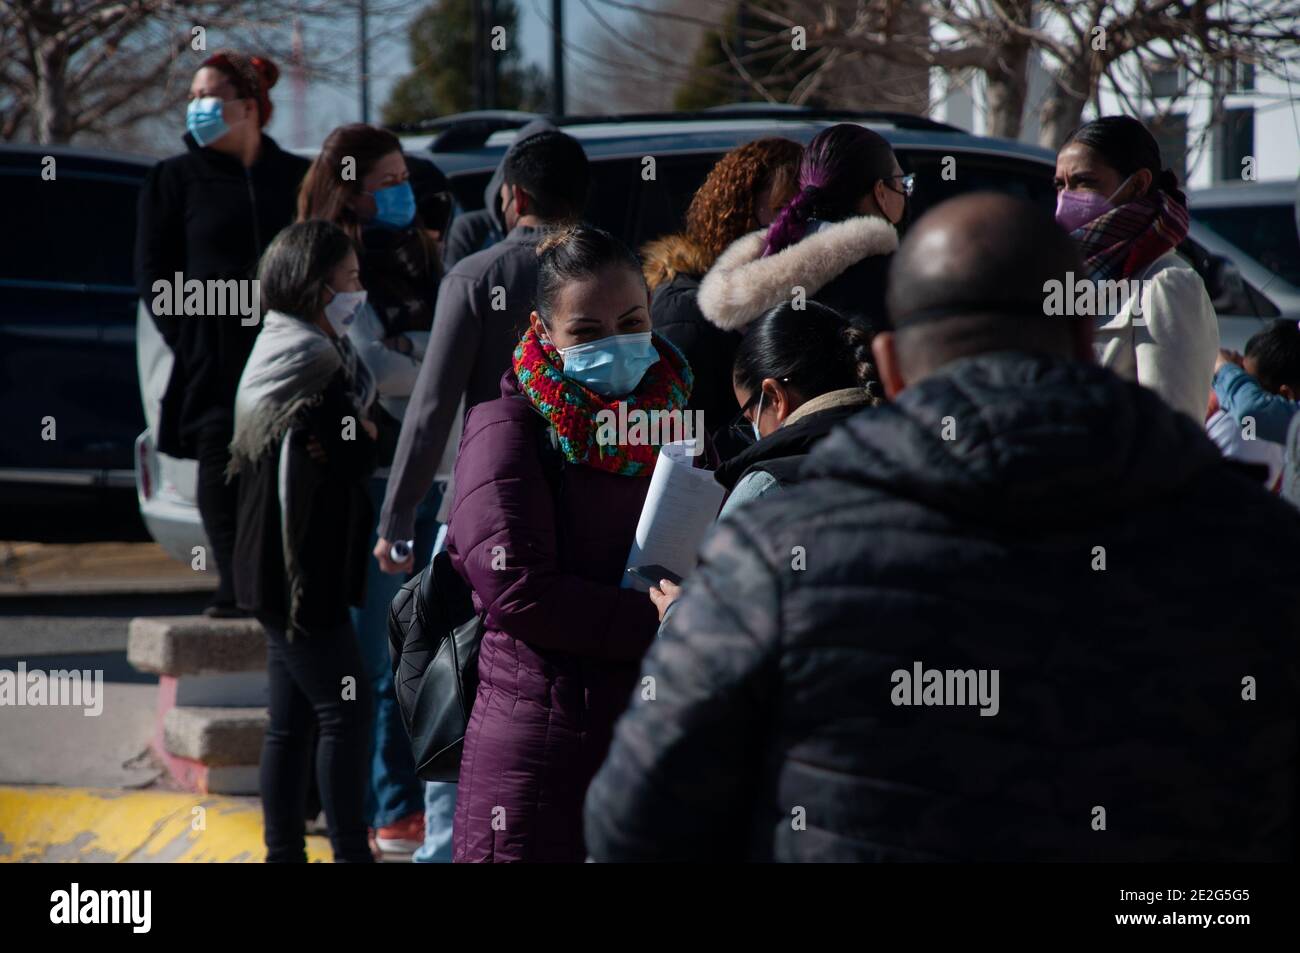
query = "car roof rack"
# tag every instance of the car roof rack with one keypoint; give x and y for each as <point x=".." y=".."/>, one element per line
<point x="471" y="130"/>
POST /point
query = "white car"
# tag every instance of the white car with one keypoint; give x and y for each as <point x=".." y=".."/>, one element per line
<point x="1254" y="225"/>
<point x="165" y="486"/>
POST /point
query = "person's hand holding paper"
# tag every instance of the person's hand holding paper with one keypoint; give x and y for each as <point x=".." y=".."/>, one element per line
<point x="679" y="508"/>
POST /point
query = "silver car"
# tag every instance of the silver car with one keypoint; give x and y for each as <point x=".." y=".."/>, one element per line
<point x="165" y="486"/>
<point x="1254" y="225"/>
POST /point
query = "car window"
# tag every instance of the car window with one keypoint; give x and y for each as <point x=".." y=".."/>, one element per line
<point x="613" y="184"/>
<point x="1266" y="233"/>
<point x="662" y="201"/>
<point x="468" y="189"/>
<point x="937" y="180"/>
<point x="98" y="255"/>
<point x="639" y="210"/>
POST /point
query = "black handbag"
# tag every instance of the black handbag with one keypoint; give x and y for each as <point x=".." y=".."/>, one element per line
<point x="433" y="640"/>
<point x="434" y="634"/>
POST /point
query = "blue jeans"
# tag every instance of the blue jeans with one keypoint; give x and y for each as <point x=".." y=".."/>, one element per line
<point x="394" y="790"/>
<point x="439" y="806"/>
<point x="439" y="796"/>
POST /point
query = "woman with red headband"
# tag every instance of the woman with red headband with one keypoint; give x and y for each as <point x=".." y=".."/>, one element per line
<point x="208" y="214"/>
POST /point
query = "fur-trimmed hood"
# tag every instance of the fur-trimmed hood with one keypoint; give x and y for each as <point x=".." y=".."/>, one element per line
<point x="741" y="286"/>
<point x="664" y="258"/>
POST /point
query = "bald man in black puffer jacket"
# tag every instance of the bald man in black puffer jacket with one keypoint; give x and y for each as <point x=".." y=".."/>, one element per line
<point x="1015" y="514"/>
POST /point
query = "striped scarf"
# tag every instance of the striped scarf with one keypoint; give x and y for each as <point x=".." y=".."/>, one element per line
<point x="1123" y="241"/>
<point x="572" y="408"/>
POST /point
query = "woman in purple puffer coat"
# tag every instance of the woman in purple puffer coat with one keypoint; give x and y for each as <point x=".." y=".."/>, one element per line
<point x="543" y="517"/>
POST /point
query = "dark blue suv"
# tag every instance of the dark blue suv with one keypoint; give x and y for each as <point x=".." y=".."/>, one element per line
<point x="67" y="345"/>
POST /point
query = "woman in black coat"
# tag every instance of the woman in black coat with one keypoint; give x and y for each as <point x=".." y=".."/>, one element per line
<point x="207" y="215"/>
<point x="799" y="373"/>
<point x="743" y="192"/>
<point x="304" y="446"/>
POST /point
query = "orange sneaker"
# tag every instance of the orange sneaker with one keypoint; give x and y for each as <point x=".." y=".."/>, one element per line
<point x="402" y="837"/>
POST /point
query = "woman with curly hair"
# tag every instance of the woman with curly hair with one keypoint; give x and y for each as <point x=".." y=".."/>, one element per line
<point x="743" y="192"/>
<point x="834" y="239"/>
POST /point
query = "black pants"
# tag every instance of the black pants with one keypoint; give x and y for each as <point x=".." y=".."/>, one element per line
<point x="318" y="679"/>
<point x="218" y="503"/>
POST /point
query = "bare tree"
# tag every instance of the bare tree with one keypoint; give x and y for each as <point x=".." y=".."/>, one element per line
<point x="69" y="67"/>
<point x="1082" y="43"/>
<point x="1087" y="42"/>
<point x="749" y="49"/>
<point x="950" y="35"/>
<point x="635" y="65"/>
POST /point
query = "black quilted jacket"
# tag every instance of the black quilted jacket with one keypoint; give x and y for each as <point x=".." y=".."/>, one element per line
<point x="1075" y="535"/>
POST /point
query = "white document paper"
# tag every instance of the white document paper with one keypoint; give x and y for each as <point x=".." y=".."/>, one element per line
<point x="679" y="508"/>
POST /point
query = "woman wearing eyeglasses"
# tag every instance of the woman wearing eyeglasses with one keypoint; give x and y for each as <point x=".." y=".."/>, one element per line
<point x="832" y="242"/>
<point x="208" y="214"/>
<point x="799" y="373"/>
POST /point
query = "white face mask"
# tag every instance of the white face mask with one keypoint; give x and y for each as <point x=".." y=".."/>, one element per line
<point x="343" y="308"/>
<point x="758" y="412"/>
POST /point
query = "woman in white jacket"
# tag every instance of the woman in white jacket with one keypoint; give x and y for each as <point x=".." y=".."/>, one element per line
<point x="1128" y="216"/>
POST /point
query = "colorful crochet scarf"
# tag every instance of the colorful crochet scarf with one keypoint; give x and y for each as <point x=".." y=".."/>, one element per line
<point x="572" y="408"/>
<point x="1122" y="242"/>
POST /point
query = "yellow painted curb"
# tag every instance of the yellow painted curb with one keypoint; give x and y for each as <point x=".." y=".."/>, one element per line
<point x="95" y="825"/>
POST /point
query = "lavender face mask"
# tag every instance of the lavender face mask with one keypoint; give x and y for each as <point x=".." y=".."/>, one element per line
<point x="1076" y="209"/>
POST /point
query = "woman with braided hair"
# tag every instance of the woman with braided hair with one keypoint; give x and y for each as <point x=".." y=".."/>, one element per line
<point x="831" y="243"/>
<point x="208" y="214"/>
<point x="743" y="192"/>
<point x="798" y="374"/>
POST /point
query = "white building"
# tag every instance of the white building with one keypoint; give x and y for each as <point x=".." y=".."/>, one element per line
<point x="1261" y="119"/>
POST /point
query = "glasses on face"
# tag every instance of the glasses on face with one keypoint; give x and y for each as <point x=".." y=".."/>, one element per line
<point x="740" y="426"/>
<point x="908" y="180"/>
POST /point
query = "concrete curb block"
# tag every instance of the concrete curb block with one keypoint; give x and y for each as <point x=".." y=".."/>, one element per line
<point x="93" y="825"/>
<point x="195" y="645"/>
<point x="215" y="736"/>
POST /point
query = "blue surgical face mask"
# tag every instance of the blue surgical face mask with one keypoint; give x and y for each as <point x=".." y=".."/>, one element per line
<point x="205" y="121"/>
<point x="757" y="414"/>
<point x="395" y="205"/>
<point x="612" y="366"/>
